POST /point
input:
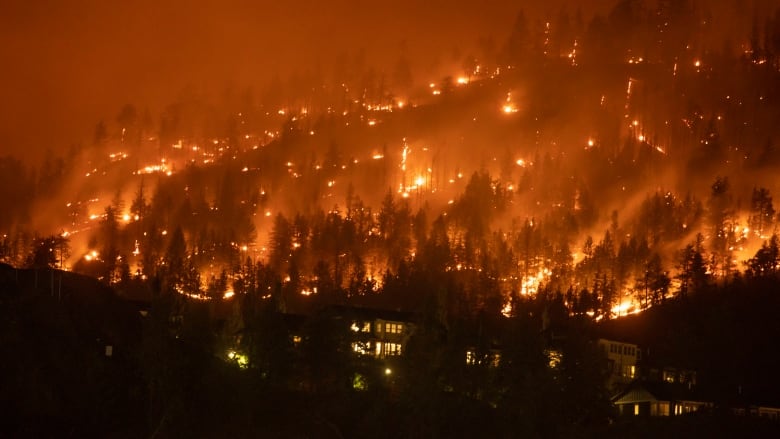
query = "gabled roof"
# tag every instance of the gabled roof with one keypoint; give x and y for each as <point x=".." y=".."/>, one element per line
<point x="649" y="391"/>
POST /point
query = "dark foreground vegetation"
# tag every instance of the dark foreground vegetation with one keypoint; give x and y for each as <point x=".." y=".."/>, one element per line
<point x="165" y="379"/>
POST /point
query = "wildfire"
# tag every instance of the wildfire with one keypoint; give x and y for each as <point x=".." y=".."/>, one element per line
<point x="626" y="307"/>
<point x="161" y="168"/>
<point x="509" y="107"/>
<point x="531" y="284"/>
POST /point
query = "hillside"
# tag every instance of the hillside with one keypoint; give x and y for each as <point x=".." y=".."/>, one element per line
<point x="727" y="335"/>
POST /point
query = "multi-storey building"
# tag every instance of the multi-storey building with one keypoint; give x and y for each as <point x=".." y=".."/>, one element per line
<point x="622" y="362"/>
<point x="379" y="333"/>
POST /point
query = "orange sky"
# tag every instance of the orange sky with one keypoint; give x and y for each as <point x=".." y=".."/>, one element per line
<point x="67" y="64"/>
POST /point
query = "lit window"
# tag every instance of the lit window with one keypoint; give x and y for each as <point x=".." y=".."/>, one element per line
<point x="392" y="349"/>
<point x="636" y="409"/>
<point x="471" y="358"/>
<point x="361" y="348"/>
<point x="393" y="328"/>
<point x="659" y="409"/>
<point x="360" y="327"/>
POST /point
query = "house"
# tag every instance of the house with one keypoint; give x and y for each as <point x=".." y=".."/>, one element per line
<point x="622" y="362"/>
<point x="760" y="411"/>
<point x="380" y="333"/>
<point x="659" y="398"/>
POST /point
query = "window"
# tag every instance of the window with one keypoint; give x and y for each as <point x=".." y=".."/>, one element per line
<point x="636" y="409"/>
<point x="394" y="328"/>
<point x="360" y="326"/>
<point x="659" y="409"/>
<point x="471" y="358"/>
<point x="392" y="349"/>
<point x="361" y="348"/>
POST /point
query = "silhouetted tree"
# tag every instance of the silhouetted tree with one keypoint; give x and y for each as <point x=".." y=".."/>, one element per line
<point x="762" y="213"/>
<point x="48" y="252"/>
<point x="692" y="269"/>
<point x="721" y="225"/>
<point x="766" y="260"/>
